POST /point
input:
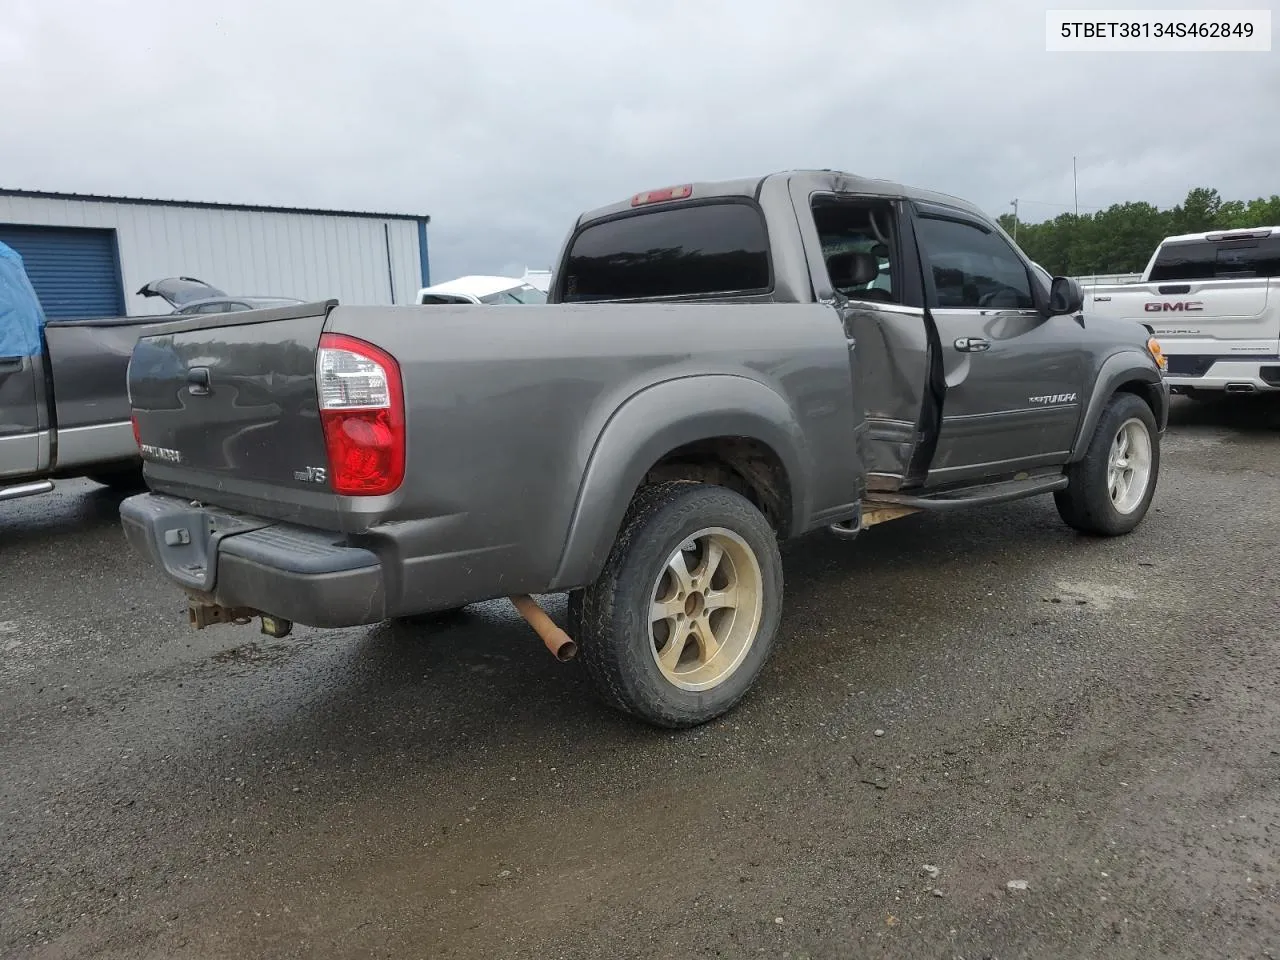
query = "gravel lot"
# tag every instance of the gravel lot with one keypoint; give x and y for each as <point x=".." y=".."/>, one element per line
<point x="1097" y="719"/>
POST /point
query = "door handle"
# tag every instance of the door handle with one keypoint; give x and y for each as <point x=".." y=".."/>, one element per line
<point x="10" y="364"/>
<point x="198" y="381"/>
<point x="972" y="344"/>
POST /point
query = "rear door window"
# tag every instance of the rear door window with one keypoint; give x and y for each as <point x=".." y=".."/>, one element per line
<point x="700" y="250"/>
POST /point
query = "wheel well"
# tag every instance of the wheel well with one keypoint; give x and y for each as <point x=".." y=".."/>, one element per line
<point x="1147" y="392"/>
<point x="742" y="464"/>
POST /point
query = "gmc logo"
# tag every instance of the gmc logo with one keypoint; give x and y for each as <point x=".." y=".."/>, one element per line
<point x="1181" y="306"/>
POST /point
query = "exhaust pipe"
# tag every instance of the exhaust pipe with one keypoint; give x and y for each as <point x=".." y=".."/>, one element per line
<point x="557" y="641"/>
<point x="1240" y="388"/>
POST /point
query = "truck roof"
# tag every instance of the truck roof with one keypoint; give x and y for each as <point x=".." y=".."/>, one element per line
<point x="1241" y="233"/>
<point x="816" y="180"/>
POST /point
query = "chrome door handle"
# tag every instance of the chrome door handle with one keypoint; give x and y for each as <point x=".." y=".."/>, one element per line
<point x="972" y="344"/>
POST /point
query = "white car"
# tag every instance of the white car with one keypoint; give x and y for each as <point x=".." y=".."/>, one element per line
<point x="482" y="289"/>
<point x="1213" y="299"/>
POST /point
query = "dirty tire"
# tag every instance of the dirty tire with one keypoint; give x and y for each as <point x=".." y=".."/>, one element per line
<point x="573" y="613"/>
<point x="1087" y="504"/>
<point x="615" y="642"/>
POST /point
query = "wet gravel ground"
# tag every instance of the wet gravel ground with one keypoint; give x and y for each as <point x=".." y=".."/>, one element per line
<point x="1097" y="722"/>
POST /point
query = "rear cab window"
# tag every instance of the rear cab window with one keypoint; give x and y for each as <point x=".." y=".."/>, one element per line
<point x="710" y="249"/>
<point x="1229" y="258"/>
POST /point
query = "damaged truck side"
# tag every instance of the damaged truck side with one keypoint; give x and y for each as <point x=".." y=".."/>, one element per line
<point x="720" y="367"/>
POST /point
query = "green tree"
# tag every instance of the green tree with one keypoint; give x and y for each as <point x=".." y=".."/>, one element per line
<point x="1199" y="212"/>
<point x="1121" y="238"/>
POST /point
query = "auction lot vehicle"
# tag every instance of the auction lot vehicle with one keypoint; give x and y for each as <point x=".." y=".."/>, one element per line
<point x="189" y="295"/>
<point x="720" y="367"/>
<point x="64" y="402"/>
<point x="64" y="407"/>
<point x="506" y="291"/>
<point x="1213" y="299"/>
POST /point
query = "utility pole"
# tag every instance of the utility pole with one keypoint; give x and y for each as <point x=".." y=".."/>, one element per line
<point x="1015" y="219"/>
<point x="1075" y="186"/>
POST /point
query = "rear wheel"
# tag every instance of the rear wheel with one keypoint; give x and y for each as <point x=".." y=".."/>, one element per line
<point x="1110" y="488"/>
<point x="684" y="615"/>
<point x="573" y="613"/>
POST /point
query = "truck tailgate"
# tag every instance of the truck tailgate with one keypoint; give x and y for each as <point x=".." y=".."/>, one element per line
<point x="1199" y="316"/>
<point x="226" y="409"/>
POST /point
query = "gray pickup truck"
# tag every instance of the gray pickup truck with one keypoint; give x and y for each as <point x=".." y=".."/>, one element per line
<point x="64" y="405"/>
<point x="720" y="367"/>
<point x="64" y="409"/>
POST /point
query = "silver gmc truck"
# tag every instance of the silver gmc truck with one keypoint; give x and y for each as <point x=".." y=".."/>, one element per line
<point x="720" y="366"/>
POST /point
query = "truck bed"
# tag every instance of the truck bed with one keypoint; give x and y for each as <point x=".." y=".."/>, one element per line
<point x="546" y="388"/>
<point x="88" y="363"/>
<point x="1214" y="332"/>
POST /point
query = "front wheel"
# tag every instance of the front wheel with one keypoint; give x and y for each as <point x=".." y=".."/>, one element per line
<point x="1109" y="490"/>
<point x="684" y="615"/>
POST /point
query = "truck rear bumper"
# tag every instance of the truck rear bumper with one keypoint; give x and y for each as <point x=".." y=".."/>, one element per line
<point x="308" y="576"/>
<point x="1261" y="375"/>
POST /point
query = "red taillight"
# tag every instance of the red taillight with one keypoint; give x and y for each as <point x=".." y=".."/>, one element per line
<point x="362" y="412"/>
<point x="667" y="193"/>
<point x="137" y="434"/>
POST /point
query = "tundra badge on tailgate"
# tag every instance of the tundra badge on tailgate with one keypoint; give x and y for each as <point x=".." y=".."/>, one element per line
<point x="161" y="453"/>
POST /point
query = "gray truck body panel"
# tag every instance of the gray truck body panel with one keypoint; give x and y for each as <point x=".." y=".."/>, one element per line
<point x="530" y="430"/>
<point x="66" y="412"/>
<point x="568" y="422"/>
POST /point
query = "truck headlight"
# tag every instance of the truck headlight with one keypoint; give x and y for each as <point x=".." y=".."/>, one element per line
<point x="1157" y="353"/>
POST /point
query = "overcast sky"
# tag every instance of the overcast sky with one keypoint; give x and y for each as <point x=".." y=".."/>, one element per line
<point x="502" y="119"/>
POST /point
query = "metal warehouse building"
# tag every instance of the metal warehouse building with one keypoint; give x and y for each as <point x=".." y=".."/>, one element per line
<point x="87" y="256"/>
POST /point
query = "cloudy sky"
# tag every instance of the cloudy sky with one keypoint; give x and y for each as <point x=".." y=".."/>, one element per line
<point x="504" y="118"/>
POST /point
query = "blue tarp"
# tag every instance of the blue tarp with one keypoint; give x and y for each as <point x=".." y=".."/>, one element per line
<point x="21" y="316"/>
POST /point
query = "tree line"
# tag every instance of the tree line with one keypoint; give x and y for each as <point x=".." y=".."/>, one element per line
<point x="1121" y="238"/>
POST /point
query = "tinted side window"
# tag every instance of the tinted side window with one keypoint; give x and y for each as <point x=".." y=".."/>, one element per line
<point x="973" y="269"/>
<point x="1185" y="261"/>
<point x="1215" y="259"/>
<point x="717" y="248"/>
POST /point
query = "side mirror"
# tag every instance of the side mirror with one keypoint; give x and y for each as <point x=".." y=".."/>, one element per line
<point x="1065" y="296"/>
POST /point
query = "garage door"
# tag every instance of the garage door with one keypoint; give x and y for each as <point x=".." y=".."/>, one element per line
<point x="74" y="270"/>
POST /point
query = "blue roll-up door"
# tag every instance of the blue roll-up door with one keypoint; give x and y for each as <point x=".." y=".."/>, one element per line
<point x="75" y="270"/>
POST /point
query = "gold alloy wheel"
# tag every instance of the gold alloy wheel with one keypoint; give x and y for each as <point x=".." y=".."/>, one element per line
<point x="706" y="611"/>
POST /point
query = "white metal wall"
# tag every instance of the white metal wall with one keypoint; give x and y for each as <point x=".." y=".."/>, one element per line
<point x="246" y="253"/>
